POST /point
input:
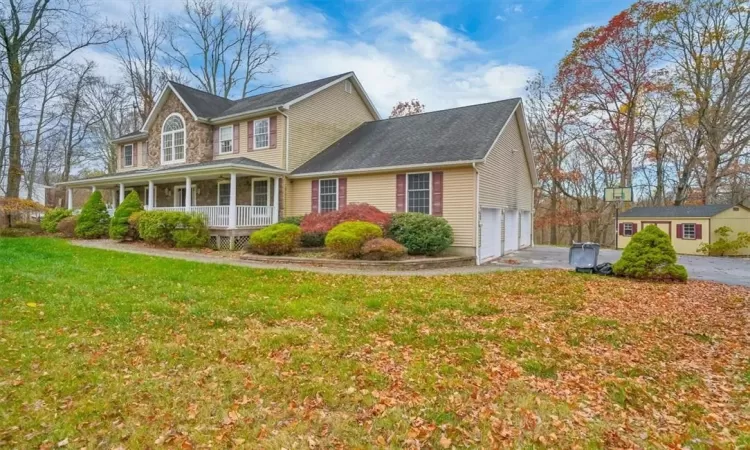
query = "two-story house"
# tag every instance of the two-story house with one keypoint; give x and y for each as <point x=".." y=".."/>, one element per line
<point x="320" y="145"/>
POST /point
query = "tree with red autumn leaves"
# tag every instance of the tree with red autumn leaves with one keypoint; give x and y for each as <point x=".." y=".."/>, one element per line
<point x="408" y="108"/>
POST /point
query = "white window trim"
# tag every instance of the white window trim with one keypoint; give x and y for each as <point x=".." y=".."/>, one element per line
<point x="184" y="140"/>
<point x="320" y="197"/>
<point x="268" y="191"/>
<point x="625" y="229"/>
<point x="268" y="121"/>
<point x="406" y="188"/>
<point x="231" y="140"/>
<point x="684" y="234"/>
<point x="131" y="155"/>
<point x="218" y="192"/>
<point x="193" y="194"/>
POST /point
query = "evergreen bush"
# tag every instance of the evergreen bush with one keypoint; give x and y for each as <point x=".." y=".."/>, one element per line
<point x="119" y="228"/>
<point x="346" y="239"/>
<point x="53" y="217"/>
<point x="650" y="255"/>
<point x="93" y="222"/>
<point x="421" y="234"/>
<point x="276" y="239"/>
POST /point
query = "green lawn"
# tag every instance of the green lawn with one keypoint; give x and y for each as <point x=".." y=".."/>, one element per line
<point x="108" y="350"/>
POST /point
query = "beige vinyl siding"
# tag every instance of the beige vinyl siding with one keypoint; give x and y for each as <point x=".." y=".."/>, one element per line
<point x="504" y="178"/>
<point x="322" y="119"/>
<point x="142" y="157"/>
<point x="379" y="190"/>
<point x="271" y="156"/>
<point x="681" y="246"/>
<point x="738" y="221"/>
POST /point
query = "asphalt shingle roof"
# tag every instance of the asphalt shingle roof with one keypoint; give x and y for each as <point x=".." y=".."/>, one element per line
<point x="162" y="169"/>
<point x="676" y="211"/>
<point x="458" y="134"/>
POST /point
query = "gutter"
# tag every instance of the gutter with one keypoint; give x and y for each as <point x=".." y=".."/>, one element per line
<point x="241" y="115"/>
<point x="386" y="168"/>
<point x="158" y="174"/>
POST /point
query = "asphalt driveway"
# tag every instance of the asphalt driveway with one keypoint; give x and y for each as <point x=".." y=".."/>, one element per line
<point x="723" y="270"/>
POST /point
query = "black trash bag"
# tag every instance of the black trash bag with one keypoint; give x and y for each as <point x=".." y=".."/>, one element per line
<point x="604" y="269"/>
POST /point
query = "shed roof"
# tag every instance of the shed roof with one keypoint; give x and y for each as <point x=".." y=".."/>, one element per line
<point x="676" y="211"/>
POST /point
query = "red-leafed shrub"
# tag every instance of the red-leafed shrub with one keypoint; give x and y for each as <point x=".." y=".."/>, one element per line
<point x="353" y="212"/>
<point x="382" y="249"/>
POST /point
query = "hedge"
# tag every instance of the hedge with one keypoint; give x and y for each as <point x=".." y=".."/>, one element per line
<point x="173" y="228"/>
<point x="277" y="239"/>
<point x="53" y="217"/>
<point x="421" y="234"/>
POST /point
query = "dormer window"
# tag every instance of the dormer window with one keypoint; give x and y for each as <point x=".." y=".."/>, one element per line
<point x="173" y="140"/>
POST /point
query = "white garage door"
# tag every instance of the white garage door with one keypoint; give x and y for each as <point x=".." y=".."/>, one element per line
<point x="511" y="231"/>
<point x="491" y="234"/>
<point x="525" y="229"/>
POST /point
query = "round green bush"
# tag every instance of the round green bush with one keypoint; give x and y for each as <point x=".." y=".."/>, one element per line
<point x="346" y="239"/>
<point x="172" y="228"/>
<point x="93" y="222"/>
<point x="119" y="228"/>
<point x="53" y="217"/>
<point x="421" y="234"/>
<point x="191" y="233"/>
<point x="650" y="255"/>
<point x="382" y="249"/>
<point x="277" y="239"/>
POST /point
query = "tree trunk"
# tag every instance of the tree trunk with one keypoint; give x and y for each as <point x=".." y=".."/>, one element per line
<point x="553" y="213"/>
<point x="69" y="144"/>
<point x="31" y="179"/>
<point x="15" y="170"/>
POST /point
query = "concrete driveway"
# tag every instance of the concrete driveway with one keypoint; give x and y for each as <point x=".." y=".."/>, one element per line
<point x="723" y="270"/>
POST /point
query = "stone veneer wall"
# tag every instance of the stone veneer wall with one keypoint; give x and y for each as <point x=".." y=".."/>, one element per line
<point x="199" y="136"/>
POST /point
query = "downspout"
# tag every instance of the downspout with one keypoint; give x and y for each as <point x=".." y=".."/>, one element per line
<point x="477" y="215"/>
<point x="286" y="137"/>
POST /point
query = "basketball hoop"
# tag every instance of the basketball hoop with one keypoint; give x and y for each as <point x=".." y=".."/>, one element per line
<point x="618" y="196"/>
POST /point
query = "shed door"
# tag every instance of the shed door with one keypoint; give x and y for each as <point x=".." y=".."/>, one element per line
<point x="490" y="246"/>
<point x="511" y="231"/>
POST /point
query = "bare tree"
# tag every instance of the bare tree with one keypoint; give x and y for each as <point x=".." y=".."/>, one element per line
<point x="408" y="108"/>
<point x="79" y="121"/>
<point x="139" y="57"/>
<point x="110" y="107"/>
<point x="28" y="30"/>
<point x="228" y="48"/>
<point x="709" y="45"/>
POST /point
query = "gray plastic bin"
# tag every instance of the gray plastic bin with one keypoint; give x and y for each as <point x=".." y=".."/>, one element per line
<point x="583" y="256"/>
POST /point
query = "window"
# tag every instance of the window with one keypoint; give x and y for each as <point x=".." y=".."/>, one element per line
<point x="348" y="86"/>
<point x="226" y="139"/>
<point x="127" y="155"/>
<point x="179" y="196"/>
<point x="627" y="229"/>
<point x="328" y="195"/>
<point x="261" y="193"/>
<point x="260" y="133"/>
<point x="173" y="140"/>
<point x="418" y="198"/>
<point x="223" y="193"/>
<point x="688" y="231"/>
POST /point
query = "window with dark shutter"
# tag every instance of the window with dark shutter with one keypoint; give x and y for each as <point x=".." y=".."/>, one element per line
<point x="418" y="189"/>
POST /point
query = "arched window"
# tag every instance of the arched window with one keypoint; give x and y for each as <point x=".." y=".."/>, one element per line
<point x="173" y="140"/>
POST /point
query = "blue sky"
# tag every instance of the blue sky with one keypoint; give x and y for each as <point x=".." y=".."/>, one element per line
<point x="446" y="54"/>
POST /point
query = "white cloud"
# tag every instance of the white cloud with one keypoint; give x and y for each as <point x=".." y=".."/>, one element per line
<point x="515" y="8"/>
<point x="427" y="38"/>
<point x="283" y="24"/>
<point x="500" y="18"/>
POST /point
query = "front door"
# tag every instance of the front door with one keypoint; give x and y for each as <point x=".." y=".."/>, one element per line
<point x="179" y="196"/>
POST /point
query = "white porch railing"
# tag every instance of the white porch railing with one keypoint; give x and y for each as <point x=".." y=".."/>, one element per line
<point x="218" y="216"/>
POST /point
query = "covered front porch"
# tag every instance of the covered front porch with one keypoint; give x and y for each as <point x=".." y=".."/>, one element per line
<point x="229" y="198"/>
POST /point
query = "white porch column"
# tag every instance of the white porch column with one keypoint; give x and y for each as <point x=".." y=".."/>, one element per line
<point x="122" y="193"/>
<point x="232" y="201"/>
<point x="70" y="198"/>
<point x="276" y="185"/>
<point x="188" y="194"/>
<point x="93" y="189"/>
<point x="150" y="195"/>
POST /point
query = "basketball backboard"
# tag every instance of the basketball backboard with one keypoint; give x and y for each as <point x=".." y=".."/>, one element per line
<point x="618" y="194"/>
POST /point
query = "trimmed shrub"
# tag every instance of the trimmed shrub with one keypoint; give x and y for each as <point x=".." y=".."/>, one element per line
<point x="53" y="217"/>
<point x="194" y="233"/>
<point x="421" y="234"/>
<point x="362" y="212"/>
<point x="13" y="209"/>
<point x="294" y="220"/>
<point x="119" y="228"/>
<point x="650" y="255"/>
<point x="346" y="239"/>
<point x="16" y="232"/>
<point x="169" y="227"/>
<point x="276" y="239"/>
<point x="93" y="222"/>
<point x="381" y="249"/>
<point x="724" y="246"/>
<point x="313" y="239"/>
<point x="67" y="226"/>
